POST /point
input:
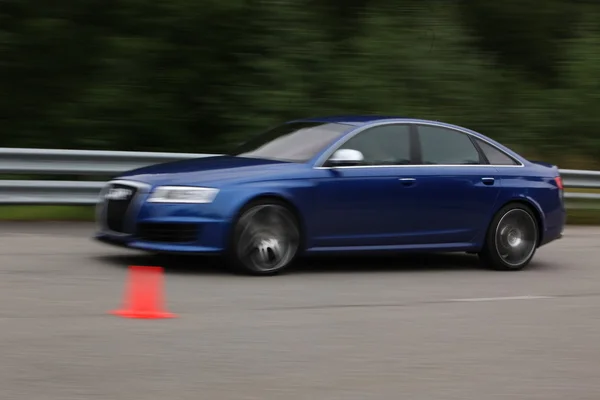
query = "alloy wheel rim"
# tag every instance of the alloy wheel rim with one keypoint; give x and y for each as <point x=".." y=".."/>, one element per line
<point x="268" y="238"/>
<point x="516" y="237"/>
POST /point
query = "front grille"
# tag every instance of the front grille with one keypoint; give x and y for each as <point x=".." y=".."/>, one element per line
<point x="167" y="232"/>
<point x="118" y="199"/>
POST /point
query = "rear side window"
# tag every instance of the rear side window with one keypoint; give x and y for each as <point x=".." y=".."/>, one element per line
<point x="446" y="146"/>
<point x="495" y="156"/>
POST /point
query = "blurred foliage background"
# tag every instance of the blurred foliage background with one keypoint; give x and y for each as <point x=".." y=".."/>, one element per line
<point x="201" y="75"/>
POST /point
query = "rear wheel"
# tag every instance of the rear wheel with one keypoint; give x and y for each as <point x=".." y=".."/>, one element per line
<point x="265" y="240"/>
<point x="511" y="240"/>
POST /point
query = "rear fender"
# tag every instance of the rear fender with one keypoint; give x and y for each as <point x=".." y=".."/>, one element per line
<point x="537" y="209"/>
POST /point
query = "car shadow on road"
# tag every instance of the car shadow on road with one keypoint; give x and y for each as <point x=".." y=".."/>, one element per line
<point x="429" y="262"/>
<point x="173" y="264"/>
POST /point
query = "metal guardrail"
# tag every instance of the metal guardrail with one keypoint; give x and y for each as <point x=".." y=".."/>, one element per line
<point x="111" y="163"/>
<point x="15" y="192"/>
<point x="90" y="163"/>
<point x="81" y="162"/>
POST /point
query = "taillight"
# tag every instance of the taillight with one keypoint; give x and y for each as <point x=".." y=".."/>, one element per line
<point x="561" y="190"/>
<point x="559" y="182"/>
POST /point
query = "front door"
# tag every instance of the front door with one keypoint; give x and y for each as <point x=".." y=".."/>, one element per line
<point x="370" y="204"/>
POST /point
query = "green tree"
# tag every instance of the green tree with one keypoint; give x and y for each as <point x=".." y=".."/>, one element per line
<point x="202" y="75"/>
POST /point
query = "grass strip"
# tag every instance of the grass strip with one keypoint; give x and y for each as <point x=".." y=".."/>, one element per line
<point x="577" y="216"/>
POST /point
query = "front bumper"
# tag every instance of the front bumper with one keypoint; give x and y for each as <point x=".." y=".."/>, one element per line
<point x="210" y="238"/>
<point x="160" y="228"/>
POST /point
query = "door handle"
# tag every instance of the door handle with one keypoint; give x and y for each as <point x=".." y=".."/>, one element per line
<point x="407" y="181"/>
<point x="488" y="181"/>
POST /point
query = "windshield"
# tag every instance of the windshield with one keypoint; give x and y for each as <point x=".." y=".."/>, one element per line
<point x="295" y="142"/>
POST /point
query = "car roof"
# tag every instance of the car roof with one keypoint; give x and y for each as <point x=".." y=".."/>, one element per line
<point x="355" y="120"/>
<point x="361" y="120"/>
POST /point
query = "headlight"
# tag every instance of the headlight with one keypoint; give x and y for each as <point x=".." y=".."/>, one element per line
<point x="183" y="194"/>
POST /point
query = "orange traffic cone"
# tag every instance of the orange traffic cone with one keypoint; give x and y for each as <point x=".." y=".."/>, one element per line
<point x="144" y="295"/>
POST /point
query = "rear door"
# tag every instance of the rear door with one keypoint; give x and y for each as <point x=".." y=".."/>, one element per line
<point x="457" y="187"/>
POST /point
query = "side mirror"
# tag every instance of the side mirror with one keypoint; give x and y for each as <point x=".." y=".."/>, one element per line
<point x="345" y="157"/>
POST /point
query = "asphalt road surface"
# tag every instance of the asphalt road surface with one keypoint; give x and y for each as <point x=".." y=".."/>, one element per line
<point x="418" y="327"/>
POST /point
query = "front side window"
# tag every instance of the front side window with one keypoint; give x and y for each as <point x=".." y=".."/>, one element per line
<point x="446" y="146"/>
<point x="382" y="145"/>
<point x="294" y="142"/>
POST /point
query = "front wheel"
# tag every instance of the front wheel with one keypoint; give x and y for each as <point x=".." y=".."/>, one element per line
<point x="511" y="240"/>
<point x="265" y="240"/>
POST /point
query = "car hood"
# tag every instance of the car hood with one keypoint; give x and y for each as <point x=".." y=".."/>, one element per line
<point x="214" y="170"/>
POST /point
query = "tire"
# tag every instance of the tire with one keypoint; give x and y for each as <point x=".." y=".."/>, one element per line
<point x="511" y="240"/>
<point x="265" y="239"/>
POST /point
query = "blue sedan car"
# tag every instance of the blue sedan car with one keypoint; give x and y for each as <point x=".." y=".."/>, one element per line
<point x="341" y="185"/>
